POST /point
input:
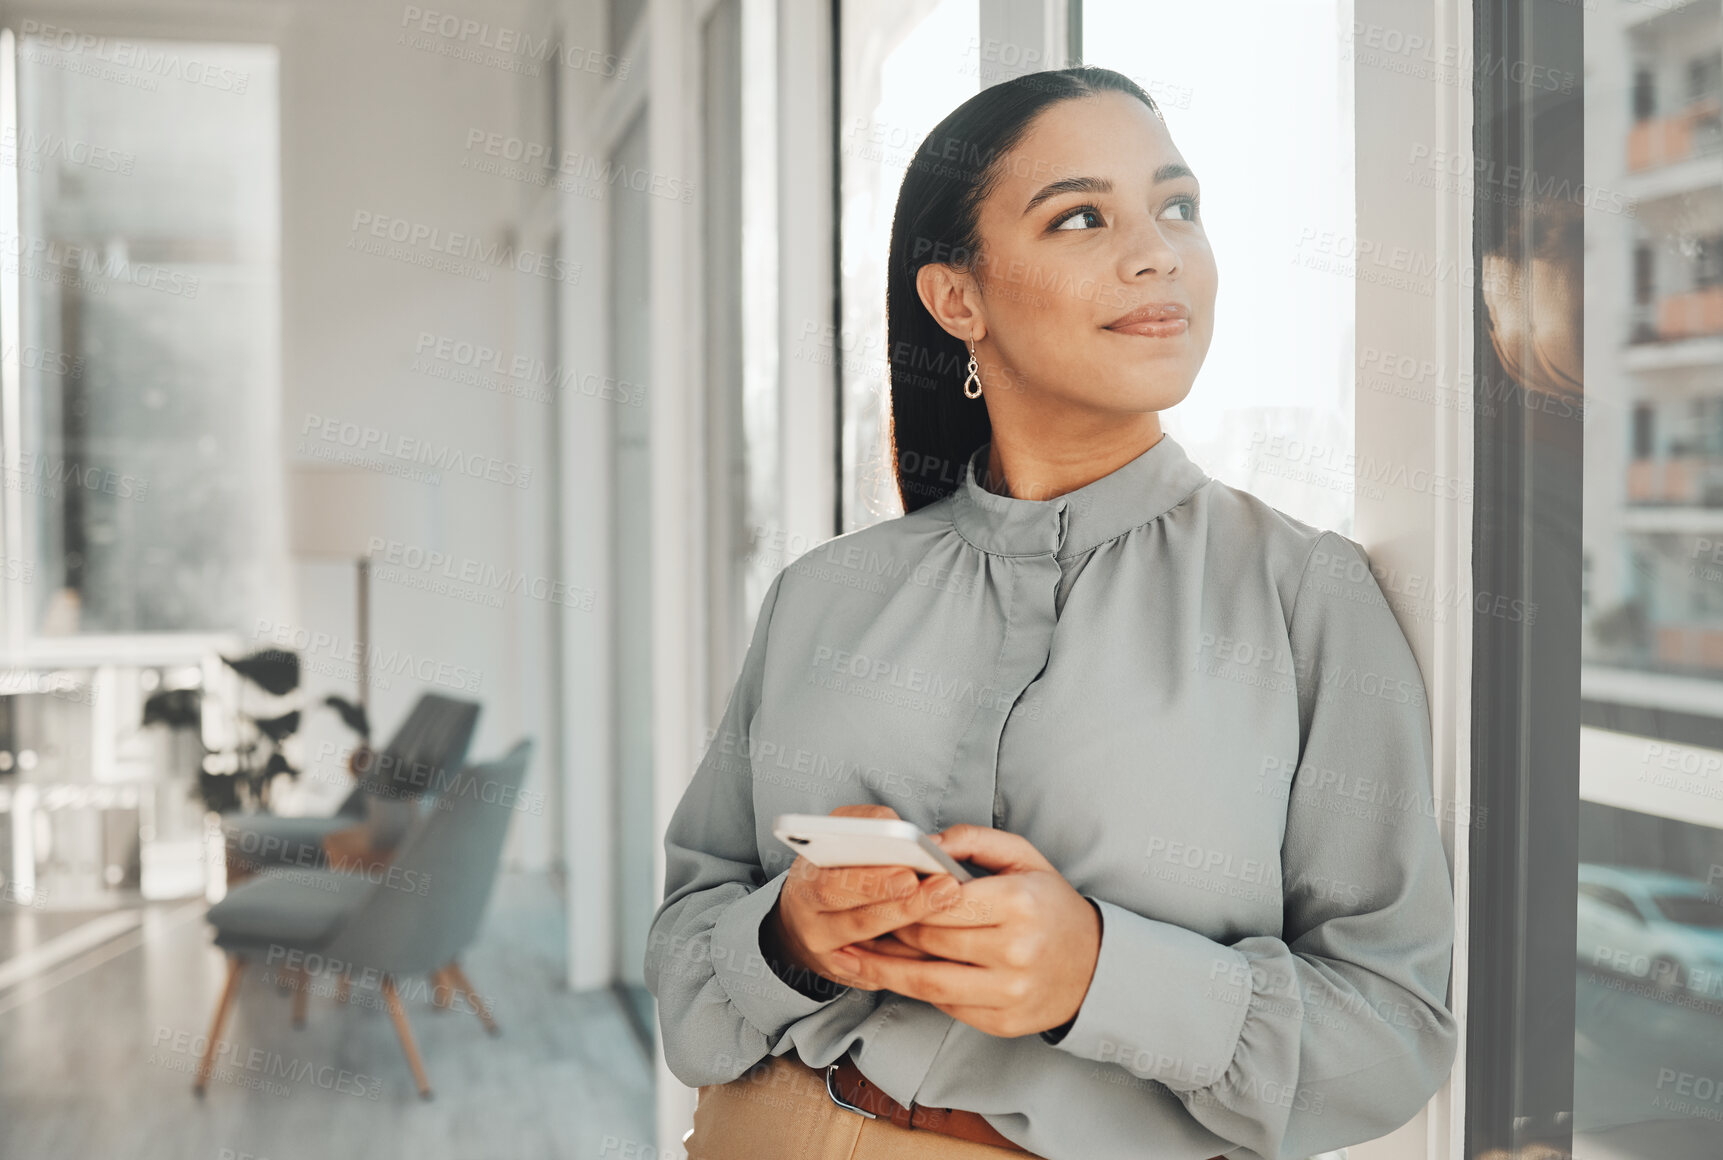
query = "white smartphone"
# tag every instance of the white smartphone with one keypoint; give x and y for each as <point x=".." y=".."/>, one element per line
<point x="827" y="840"/>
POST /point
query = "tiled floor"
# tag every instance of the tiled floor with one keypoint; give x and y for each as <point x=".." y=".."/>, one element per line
<point x="96" y="1055"/>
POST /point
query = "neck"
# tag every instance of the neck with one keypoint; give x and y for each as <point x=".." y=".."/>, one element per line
<point x="1039" y="465"/>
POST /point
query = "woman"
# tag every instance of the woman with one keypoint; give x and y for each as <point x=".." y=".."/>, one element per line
<point x="1183" y="731"/>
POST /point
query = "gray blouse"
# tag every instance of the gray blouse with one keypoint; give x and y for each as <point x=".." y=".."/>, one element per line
<point x="1200" y="710"/>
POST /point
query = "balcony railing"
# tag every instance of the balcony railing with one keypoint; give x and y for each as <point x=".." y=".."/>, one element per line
<point x="1690" y="315"/>
<point x="1695" y="131"/>
<point x="1686" y="647"/>
<point x="1686" y="480"/>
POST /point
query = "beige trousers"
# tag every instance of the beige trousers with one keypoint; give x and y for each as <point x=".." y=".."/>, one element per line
<point x="780" y="1111"/>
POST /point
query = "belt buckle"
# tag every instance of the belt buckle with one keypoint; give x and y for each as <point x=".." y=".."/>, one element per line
<point x="831" y="1090"/>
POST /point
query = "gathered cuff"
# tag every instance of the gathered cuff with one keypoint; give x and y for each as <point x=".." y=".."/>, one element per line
<point x="1165" y="1003"/>
<point x="739" y="963"/>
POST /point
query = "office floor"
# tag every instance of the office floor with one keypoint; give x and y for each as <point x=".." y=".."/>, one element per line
<point x="97" y="1054"/>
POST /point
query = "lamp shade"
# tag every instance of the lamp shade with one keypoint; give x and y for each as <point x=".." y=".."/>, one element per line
<point x="342" y="512"/>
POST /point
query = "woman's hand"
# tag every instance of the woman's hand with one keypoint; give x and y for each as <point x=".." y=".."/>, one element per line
<point x="820" y="910"/>
<point x="1021" y="944"/>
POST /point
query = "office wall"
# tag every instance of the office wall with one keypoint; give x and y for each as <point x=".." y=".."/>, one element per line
<point x="375" y="123"/>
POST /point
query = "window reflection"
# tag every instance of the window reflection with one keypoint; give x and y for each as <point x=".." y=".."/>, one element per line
<point x="1649" y="1014"/>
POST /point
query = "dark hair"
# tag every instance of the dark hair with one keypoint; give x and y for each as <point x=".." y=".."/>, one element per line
<point x="934" y="428"/>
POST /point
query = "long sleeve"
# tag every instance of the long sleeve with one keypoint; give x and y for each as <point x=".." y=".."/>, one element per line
<point x="721" y="1006"/>
<point x="1337" y="1032"/>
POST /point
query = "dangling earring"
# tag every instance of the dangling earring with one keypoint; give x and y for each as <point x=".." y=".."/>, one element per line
<point x="973" y="376"/>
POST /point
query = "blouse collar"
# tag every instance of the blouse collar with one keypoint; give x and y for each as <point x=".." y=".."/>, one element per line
<point x="1067" y="525"/>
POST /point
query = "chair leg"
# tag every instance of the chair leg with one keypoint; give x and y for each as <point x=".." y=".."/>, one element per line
<point x="442" y="990"/>
<point x="301" y="986"/>
<point x="399" y="1015"/>
<point x="453" y="971"/>
<point x="206" y="1065"/>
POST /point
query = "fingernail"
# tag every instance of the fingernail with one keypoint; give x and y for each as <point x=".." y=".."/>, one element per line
<point x="946" y="893"/>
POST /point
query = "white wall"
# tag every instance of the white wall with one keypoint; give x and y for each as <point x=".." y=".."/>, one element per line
<point x="371" y="125"/>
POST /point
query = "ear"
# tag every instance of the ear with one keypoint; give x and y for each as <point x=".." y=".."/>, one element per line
<point x="950" y="295"/>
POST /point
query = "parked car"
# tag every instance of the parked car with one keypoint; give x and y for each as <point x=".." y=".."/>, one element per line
<point x="1646" y="924"/>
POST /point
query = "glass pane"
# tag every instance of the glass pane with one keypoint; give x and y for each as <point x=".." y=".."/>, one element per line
<point x="147" y="259"/>
<point x="1648" y="1071"/>
<point x="900" y="77"/>
<point x="1271" y="411"/>
<point x="631" y="362"/>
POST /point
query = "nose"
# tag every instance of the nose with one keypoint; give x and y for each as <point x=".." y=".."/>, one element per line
<point x="1146" y="249"/>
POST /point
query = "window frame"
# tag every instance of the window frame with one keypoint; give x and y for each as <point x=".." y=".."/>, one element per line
<point x="1526" y="697"/>
<point x="1406" y="533"/>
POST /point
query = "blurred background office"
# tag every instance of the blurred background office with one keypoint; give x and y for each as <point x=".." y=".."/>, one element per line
<point x="404" y="407"/>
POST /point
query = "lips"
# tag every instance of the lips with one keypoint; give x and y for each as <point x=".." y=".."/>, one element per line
<point x="1151" y="312"/>
<point x="1154" y="320"/>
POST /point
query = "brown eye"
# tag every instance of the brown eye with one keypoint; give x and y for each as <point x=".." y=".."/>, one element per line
<point x="1082" y="214"/>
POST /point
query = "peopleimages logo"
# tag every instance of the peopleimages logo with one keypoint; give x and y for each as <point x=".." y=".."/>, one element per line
<point x="1522" y="179"/>
<point x="1425" y="58"/>
<point x="59" y="261"/>
<point x="427" y="240"/>
<point x="256" y="1067"/>
<point x="364" y="440"/>
<point x="37" y="474"/>
<point x="535" y="157"/>
<point x="465" y="570"/>
<point x="50" y="362"/>
<point x="31" y="148"/>
<point x="471" y="35"/>
<point x="379" y="660"/>
<point x="139" y="55"/>
<point x="467" y="361"/>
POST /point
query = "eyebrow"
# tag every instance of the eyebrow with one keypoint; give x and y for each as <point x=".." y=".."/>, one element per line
<point x="1053" y="189"/>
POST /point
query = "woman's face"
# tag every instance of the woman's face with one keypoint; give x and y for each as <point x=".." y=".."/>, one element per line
<point x="1094" y="217"/>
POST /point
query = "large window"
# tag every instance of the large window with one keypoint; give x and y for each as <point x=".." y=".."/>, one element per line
<point x="1648" y="1025"/>
<point x="903" y="68"/>
<point x="1272" y="410"/>
<point x="142" y="456"/>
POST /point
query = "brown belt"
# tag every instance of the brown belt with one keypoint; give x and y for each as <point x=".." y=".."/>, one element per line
<point x="849" y="1088"/>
